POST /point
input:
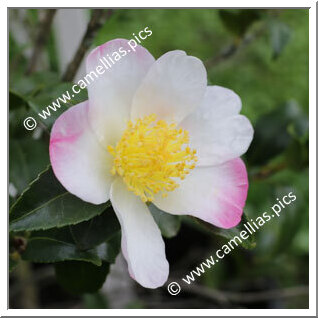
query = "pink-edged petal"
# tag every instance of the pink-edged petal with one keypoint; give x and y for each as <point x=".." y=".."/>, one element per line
<point x="216" y="129"/>
<point x="78" y="161"/>
<point x="172" y="89"/>
<point x="111" y="94"/>
<point x="214" y="194"/>
<point x="142" y="244"/>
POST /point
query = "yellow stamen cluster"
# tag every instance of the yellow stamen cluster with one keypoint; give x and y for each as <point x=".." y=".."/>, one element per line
<point x="151" y="155"/>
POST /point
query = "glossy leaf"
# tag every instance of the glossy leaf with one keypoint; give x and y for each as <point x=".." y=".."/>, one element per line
<point x="169" y="224"/>
<point x="49" y="250"/>
<point x="60" y="244"/>
<point x="109" y="250"/>
<point x="46" y="204"/>
<point x="28" y="157"/>
<point x="95" y="231"/>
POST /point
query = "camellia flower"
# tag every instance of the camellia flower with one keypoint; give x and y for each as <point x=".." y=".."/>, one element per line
<point x="153" y="131"/>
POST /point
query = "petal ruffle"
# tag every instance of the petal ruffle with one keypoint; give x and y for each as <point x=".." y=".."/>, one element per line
<point x="173" y="88"/>
<point x="216" y="129"/>
<point x="214" y="194"/>
<point x="111" y="94"/>
<point x="142" y="244"/>
<point x="78" y="161"/>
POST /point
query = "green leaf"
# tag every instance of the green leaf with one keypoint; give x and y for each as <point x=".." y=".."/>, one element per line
<point x="95" y="231"/>
<point x="28" y="157"/>
<point x="16" y="127"/>
<point x="60" y="244"/>
<point x="294" y="218"/>
<point x="16" y="100"/>
<point x="290" y="221"/>
<point x="17" y="60"/>
<point x="40" y="102"/>
<point x="169" y="224"/>
<point x="280" y="35"/>
<point x="46" y="204"/>
<point x="109" y="250"/>
<point x="81" y="277"/>
<point x="28" y="86"/>
<point x="229" y="234"/>
<point x="297" y="154"/>
<point x="49" y="250"/>
<point x="40" y="90"/>
<point x="60" y="234"/>
<point x="271" y="133"/>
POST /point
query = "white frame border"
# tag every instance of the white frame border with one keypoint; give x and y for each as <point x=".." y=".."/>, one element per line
<point x="312" y="165"/>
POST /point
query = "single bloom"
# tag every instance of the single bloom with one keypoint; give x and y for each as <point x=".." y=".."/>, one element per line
<point x="153" y="131"/>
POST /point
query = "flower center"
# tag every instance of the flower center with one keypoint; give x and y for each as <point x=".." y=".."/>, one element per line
<point x="151" y="156"/>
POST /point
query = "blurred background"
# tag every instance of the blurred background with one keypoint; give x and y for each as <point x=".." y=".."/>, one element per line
<point x="260" y="54"/>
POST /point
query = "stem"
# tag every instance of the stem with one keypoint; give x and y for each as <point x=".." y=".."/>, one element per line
<point x="41" y="39"/>
<point x="29" y="295"/>
<point x="233" y="48"/>
<point x="94" y="24"/>
<point x="268" y="171"/>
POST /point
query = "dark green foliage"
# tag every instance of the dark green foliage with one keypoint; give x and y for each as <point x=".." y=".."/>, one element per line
<point x="96" y="230"/>
<point x="95" y="245"/>
<point x="272" y="132"/>
<point x="229" y="234"/>
<point x="81" y="277"/>
<point x="169" y="224"/>
<point x="49" y="250"/>
<point x="46" y="204"/>
<point x="27" y="157"/>
<point x="238" y="21"/>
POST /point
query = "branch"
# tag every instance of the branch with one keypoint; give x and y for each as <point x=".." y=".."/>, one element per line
<point x="268" y="171"/>
<point x="225" y="53"/>
<point x="29" y="292"/>
<point x="225" y="298"/>
<point x="41" y="39"/>
<point x="233" y="48"/>
<point x="252" y="297"/>
<point x="94" y="24"/>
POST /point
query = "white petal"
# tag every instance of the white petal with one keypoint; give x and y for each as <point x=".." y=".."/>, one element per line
<point x="172" y="89"/>
<point x="142" y="244"/>
<point x="214" y="194"/>
<point x="78" y="161"/>
<point x="216" y="129"/>
<point x="111" y="94"/>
